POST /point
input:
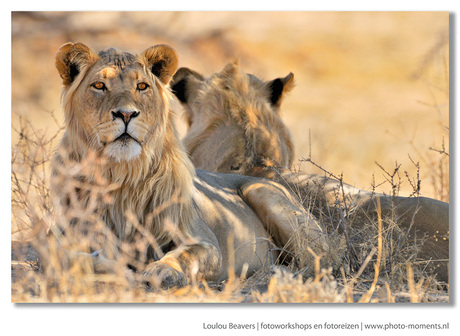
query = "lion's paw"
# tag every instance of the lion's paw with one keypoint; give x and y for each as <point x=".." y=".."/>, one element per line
<point x="161" y="276"/>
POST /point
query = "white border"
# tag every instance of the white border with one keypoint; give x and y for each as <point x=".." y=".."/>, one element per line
<point x="152" y="319"/>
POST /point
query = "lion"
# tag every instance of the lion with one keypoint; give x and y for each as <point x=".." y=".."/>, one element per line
<point x="235" y="127"/>
<point x="116" y="107"/>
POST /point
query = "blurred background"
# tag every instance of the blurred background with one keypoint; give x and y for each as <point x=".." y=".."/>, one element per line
<point x="372" y="88"/>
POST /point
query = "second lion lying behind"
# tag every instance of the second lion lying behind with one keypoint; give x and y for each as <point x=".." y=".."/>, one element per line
<point x="235" y="127"/>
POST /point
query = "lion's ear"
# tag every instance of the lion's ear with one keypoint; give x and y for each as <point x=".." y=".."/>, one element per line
<point x="278" y="87"/>
<point x="182" y="83"/>
<point x="162" y="61"/>
<point x="70" y="60"/>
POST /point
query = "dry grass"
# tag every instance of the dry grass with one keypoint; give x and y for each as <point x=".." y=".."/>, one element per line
<point x="371" y="87"/>
<point x="51" y="267"/>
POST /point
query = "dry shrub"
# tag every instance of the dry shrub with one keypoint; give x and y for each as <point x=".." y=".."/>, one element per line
<point x="372" y="255"/>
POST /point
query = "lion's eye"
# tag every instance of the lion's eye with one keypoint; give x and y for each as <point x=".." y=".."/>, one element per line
<point x="99" y="86"/>
<point x="142" y="86"/>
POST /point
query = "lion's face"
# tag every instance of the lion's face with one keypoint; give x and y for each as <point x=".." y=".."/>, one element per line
<point x="120" y="112"/>
<point x="233" y="117"/>
<point x="118" y="100"/>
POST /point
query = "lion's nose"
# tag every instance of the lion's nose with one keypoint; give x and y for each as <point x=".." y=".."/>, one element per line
<point x="126" y="116"/>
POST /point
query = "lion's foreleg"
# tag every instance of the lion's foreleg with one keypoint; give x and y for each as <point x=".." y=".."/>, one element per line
<point x="281" y="214"/>
<point x="189" y="263"/>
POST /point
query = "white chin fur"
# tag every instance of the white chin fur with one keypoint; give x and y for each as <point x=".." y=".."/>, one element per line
<point x="121" y="151"/>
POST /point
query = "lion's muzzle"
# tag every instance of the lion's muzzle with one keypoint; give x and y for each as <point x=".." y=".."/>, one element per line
<point x="124" y="115"/>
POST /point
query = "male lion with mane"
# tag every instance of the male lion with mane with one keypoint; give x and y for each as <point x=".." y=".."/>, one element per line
<point x="235" y="127"/>
<point x="116" y="107"/>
